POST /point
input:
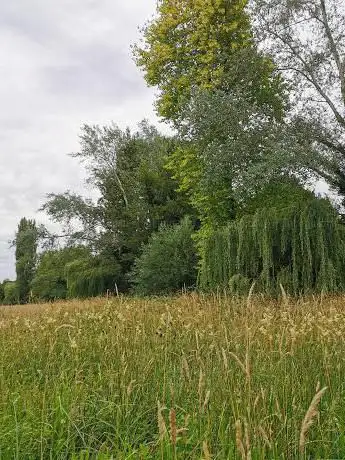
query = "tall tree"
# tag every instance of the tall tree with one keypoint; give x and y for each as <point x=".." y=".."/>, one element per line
<point x="26" y="242"/>
<point x="196" y="45"/>
<point x="203" y="59"/>
<point x="306" y="39"/>
<point x="135" y="192"/>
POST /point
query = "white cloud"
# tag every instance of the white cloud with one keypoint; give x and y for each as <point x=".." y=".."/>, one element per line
<point x="62" y="64"/>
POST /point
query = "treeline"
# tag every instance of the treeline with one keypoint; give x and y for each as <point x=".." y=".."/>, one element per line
<point x="257" y="108"/>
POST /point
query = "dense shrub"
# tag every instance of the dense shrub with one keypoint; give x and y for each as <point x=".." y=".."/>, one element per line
<point x="168" y="261"/>
<point x="11" y="293"/>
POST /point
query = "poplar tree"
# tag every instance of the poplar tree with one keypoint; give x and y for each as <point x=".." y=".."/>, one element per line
<point x="26" y="242"/>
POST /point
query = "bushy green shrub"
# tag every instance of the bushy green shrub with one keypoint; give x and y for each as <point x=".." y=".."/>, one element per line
<point x="168" y="261"/>
<point x="11" y="293"/>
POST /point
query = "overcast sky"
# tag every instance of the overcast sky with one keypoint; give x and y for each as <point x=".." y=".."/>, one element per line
<point x="63" y="63"/>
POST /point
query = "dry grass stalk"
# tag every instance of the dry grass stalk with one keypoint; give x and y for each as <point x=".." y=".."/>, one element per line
<point x="185" y="367"/>
<point x="279" y="411"/>
<point x="205" y="451"/>
<point x="239" y="362"/>
<point x="247" y="365"/>
<point x="257" y="399"/>
<point x="161" y="423"/>
<point x="250" y="294"/>
<point x="243" y="442"/>
<point x="317" y="387"/>
<point x="239" y="439"/>
<point x="206" y="400"/>
<point x="130" y="387"/>
<point x="173" y="429"/>
<point x="247" y="440"/>
<point x="310" y="415"/>
<point x="284" y="295"/>
<point x="201" y="386"/>
<point x="265" y="437"/>
<point x="225" y="359"/>
<point x="197" y="340"/>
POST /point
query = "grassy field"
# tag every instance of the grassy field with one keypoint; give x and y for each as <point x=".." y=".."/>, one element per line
<point x="173" y="378"/>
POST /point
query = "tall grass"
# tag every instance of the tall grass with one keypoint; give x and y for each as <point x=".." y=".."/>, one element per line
<point x="173" y="378"/>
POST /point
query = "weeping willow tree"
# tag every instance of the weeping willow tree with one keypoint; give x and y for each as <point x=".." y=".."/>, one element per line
<point x="90" y="277"/>
<point x="301" y="248"/>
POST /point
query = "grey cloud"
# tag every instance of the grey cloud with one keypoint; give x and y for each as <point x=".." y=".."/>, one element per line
<point x="97" y="73"/>
<point x="28" y="20"/>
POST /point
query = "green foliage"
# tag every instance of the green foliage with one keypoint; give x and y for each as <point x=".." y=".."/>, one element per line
<point x="11" y="293"/>
<point x="233" y="148"/>
<point x="188" y="45"/>
<point x="168" y="261"/>
<point x="26" y="241"/>
<point x="212" y="200"/>
<point x="224" y="96"/>
<point x="50" y="280"/>
<point x="280" y="193"/>
<point x="91" y="276"/>
<point x="301" y="247"/>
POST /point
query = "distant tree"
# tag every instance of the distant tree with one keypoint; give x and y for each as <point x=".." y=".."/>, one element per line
<point x="26" y="241"/>
<point x="92" y="276"/>
<point x="2" y="292"/>
<point x="224" y="97"/>
<point x="136" y="193"/>
<point x="300" y="247"/>
<point x="232" y="149"/>
<point x="11" y="293"/>
<point x="168" y="261"/>
<point x="50" y="280"/>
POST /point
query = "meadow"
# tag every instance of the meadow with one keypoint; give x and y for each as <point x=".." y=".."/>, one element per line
<point x="190" y="377"/>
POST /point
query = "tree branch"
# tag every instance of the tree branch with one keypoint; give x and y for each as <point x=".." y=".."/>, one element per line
<point x="309" y="76"/>
<point x="333" y="48"/>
